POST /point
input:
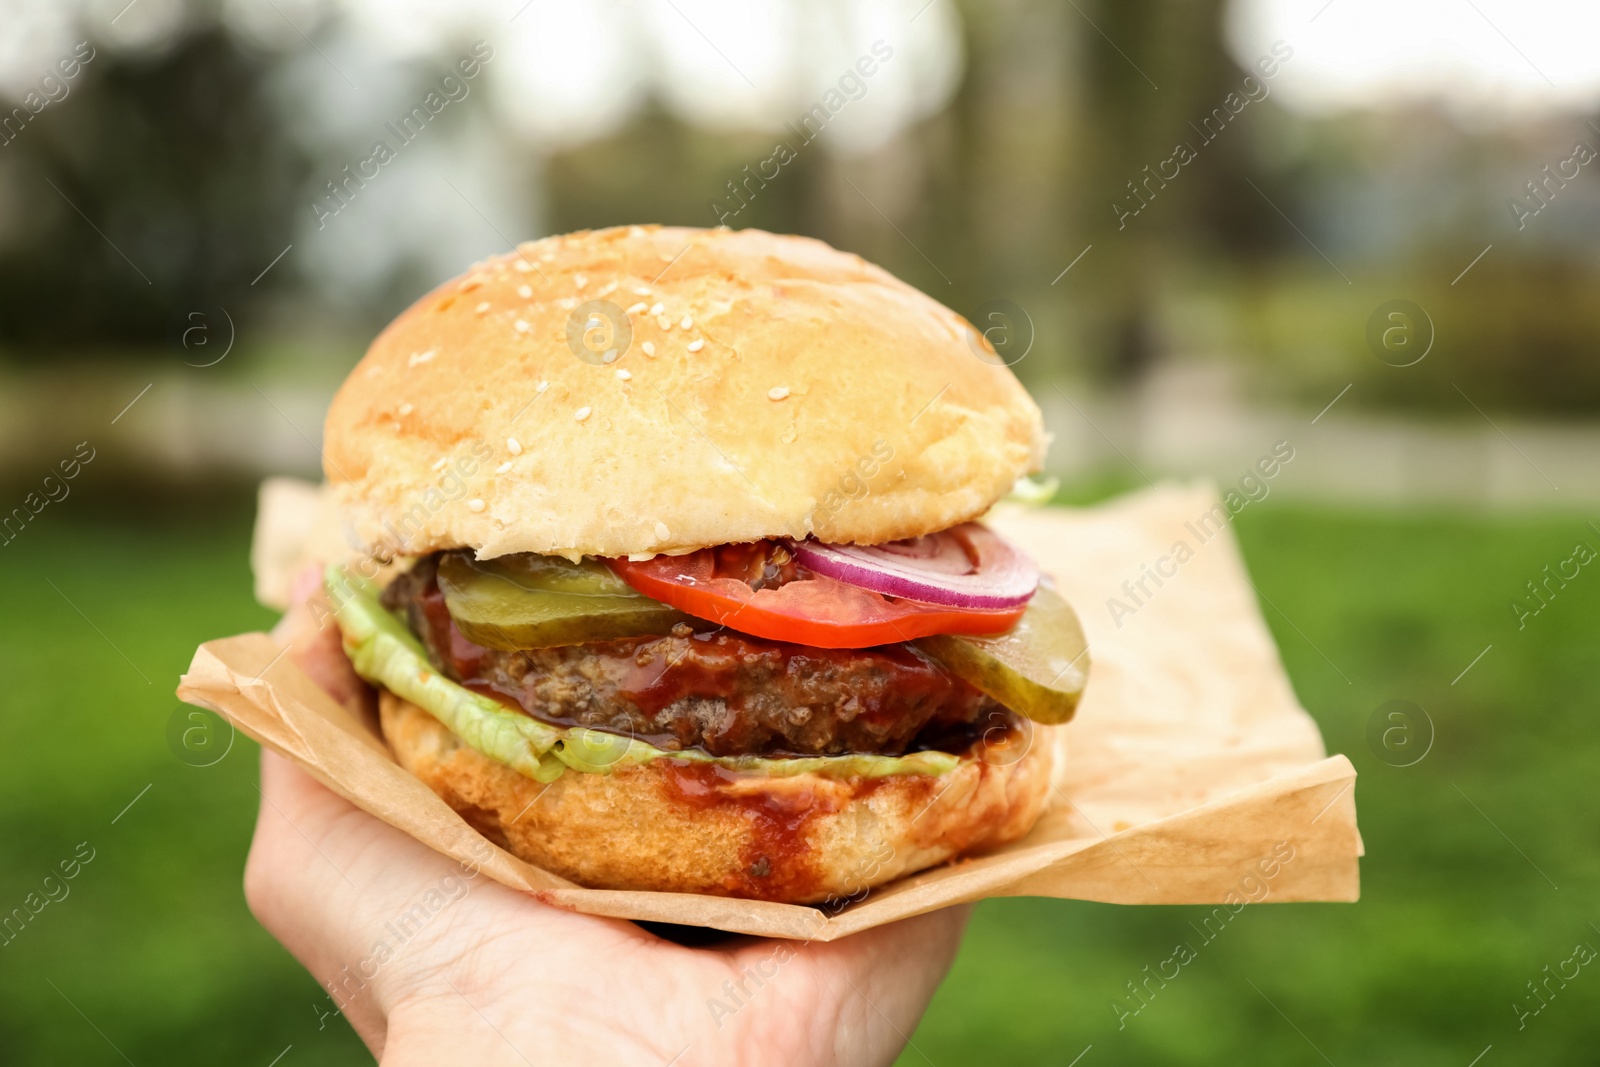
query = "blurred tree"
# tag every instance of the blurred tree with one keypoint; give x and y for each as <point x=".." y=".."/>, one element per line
<point x="179" y="163"/>
<point x="1154" y="70"/>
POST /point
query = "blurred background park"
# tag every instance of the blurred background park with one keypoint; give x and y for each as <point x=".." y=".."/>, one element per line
<point x="1194" y="227"/>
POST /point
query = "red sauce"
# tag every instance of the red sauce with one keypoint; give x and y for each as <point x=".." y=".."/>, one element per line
<point x="776" y="864"/>
<point x="484" y="689"/>
<point x="466" y="658"/>
<point x="759" y="564"/>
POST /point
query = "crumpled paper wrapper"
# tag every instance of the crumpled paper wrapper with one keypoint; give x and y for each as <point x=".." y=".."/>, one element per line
<point x="1193" y="770"/>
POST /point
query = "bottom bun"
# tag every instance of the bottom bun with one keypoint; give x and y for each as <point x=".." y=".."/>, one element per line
<point x="677" y="826"/>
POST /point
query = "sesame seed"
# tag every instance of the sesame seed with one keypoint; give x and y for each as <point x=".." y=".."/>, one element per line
<point x="541" y="387"/>
<point x="607" y="289"/>
<point x="482" y="308"/>
<point x="624" y="375"/>
<point x="662" y="532"/>
<point x="641" y="290"/>
<point x="663" y="322"/>
<point x="503" y="467"/>
<point x="442" y="463"/>
<point x="513" y="446"/>
<point x="635" y="309"/>
<point x="658" y="308"/>
<point x="420" y="357"/>
<point x="580" y="281"/>
<point x="525" y="291"/>
<point x="649" y="349"/>
<point x="635" y="231"/>
<point x="777" y="392"/>
<point x="687" y="323"/>
<point x="696" y="345"/>
<point x="522" y="326"/>
<point x="475" y="504"/>
<point x="523" y="265"/>
<point x="581" y="414"/>
<point x="406" y="409"/>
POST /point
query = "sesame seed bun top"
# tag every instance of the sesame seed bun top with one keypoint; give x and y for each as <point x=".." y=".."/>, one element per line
<point x="646" y="389"/>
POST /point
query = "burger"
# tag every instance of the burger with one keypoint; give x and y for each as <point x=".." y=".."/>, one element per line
<point x="686" y="588"/>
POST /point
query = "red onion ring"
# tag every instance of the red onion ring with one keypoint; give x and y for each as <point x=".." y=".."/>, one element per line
<point x="966" y="566"/>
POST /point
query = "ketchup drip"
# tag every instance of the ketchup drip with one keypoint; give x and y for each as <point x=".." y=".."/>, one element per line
<point x="776" y="864"/>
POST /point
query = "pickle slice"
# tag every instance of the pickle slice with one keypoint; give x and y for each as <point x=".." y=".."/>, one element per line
<point x="1037" y="668"/>
<point x="533" y="601"/>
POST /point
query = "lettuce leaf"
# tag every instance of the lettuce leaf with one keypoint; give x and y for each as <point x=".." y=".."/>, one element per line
<point x="385" y="652"/>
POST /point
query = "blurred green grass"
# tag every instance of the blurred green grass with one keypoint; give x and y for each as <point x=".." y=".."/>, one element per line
<point x="153" y="942"/>
<point x="106" y="601"/>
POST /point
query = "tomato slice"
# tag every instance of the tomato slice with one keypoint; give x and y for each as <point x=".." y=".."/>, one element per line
<point x="760" y="590"/>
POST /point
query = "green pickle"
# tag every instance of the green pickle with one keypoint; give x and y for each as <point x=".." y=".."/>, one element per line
<point x="531" y="601"/>
<point x="1038" y="668"/>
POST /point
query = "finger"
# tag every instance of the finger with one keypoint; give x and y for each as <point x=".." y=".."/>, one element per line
<point x="318" y="857"/>
<point x="895" y="968"/>
<point x="865" y="993"/>
<point x="298" y="886"/>
<point x="330" y="882"/>
<point x="891" y="973"/>
<point x="305" y="583"/>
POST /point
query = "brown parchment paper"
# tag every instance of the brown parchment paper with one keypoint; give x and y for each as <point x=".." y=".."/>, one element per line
<point x="1192" y="768"/>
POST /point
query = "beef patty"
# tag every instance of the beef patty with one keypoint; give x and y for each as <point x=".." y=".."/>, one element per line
<point x="727" y="693"/>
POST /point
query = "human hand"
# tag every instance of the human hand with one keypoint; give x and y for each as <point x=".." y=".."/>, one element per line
<point x="433" y="963"/>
